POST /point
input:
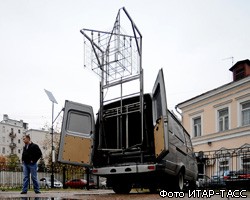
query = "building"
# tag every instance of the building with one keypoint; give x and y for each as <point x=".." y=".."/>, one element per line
<point x="43" y="139"/>
<point x="219" y="120"/>
<point x="11" y="138"/>
<point x="11" y="134"/>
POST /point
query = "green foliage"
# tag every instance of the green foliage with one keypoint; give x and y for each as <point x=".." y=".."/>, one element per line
<point x="13" y="163"/>
<point x="41" y="166"/>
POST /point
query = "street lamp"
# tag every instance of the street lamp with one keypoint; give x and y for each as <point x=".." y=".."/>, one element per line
<point x="53" y="100"/>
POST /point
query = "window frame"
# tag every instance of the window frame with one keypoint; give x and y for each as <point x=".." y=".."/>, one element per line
<point x="241" y="113"/>
<point x="193" y="117"/>
<point x="218" y="118"/>
<point x="222" y="166"/>
<point x="242" y="163"/>
<point x="197" y="127"/>
<point x="239" y="110"/>
<point x="222" y="158"/>
<point x="70" y="119"/>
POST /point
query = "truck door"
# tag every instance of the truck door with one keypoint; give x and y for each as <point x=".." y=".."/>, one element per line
<point x="160" y="117"/>
<point x="76" y="136"/>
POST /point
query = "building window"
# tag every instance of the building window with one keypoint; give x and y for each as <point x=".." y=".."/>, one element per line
<point x="19" y="131"/>
<point x="223" y="164"/>
<point x="3" y="139"/>
<point x="3" y="129"/>
<point x="19" y="141"/>
<point x="245" y="113"/>
<point x="19" y="151"/>
<point x="223" y="119"/>
<point x="245" y="162"/>
<point x="197" y="126"/>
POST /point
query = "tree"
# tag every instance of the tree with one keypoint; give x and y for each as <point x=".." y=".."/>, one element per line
<point x="3" y="162"/>
<point x="41" y="166"/>
<point x="13" y="162"/>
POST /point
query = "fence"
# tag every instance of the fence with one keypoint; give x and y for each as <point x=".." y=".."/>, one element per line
<point x="225" y="167"/>
<point x="14" y="179"/>
<point x="220" y="168"/>
<point x="10" y="179"/>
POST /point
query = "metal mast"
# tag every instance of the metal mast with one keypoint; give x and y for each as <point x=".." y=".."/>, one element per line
<point x="116" y="56"/>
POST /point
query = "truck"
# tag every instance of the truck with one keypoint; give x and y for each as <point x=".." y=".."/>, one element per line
<point x="131" y="147"/>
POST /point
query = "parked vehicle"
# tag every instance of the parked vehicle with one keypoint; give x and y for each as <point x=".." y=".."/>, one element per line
<point x="76" y="183"/>
<point x="243" y="174"/>
<point x="157" y="155"/>
<point x="230" y="175"/>
<point x="45" y="182"/>
<point x="237" y="179"/>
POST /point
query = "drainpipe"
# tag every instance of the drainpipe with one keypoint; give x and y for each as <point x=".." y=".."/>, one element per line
<point x="176" y="109"/>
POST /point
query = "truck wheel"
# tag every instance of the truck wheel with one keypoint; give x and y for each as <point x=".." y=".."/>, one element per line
<point x="179" y="182"/>
<point x="122" y="188"/>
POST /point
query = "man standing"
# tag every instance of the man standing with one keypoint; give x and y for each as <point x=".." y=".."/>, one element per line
<point x="31" y="154"/>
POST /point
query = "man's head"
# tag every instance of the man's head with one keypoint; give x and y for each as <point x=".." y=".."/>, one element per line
<point x="26" y="139"/>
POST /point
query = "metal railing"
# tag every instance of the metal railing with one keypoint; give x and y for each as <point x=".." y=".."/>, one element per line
<point x="227" y="168"/>
<point x="13" y="177"/>
<point x="223" y="168"/>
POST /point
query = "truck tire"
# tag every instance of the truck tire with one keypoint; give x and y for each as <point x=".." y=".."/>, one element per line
<point x="179" y="182"/>
<point x="122" y="188"/>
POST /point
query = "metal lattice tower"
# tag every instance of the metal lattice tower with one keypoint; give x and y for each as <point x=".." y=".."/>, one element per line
<point x="116" y="57"/>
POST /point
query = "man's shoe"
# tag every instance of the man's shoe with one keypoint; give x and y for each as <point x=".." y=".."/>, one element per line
<point x="38" y="192"/>
<point x="23" y="192"/>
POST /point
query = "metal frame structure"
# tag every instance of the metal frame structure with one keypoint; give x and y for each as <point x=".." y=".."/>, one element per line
<point x="116" y="57"/>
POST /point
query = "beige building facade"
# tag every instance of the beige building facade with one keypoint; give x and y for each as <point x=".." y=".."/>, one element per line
<point x="11" y="134"/>
<point x="219" y="119"/>
<point x="43" y="139"/>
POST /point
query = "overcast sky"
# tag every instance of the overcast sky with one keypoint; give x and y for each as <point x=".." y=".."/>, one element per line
<point x="41" y="47"/>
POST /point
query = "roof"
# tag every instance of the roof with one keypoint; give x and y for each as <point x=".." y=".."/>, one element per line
<point x="240" y="62"/>
<point x="216" y="90"/>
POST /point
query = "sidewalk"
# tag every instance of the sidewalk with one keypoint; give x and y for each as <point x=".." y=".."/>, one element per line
<point x="56" y="194"/>
<point x="95" y="194"/>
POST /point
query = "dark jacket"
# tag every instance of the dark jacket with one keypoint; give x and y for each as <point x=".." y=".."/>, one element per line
<point x="33" y="153"/>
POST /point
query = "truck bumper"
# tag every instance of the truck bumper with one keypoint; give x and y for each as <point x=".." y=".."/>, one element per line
<point x="129" y="169"/>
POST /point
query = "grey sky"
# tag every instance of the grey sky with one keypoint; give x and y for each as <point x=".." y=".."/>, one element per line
<point x="41" y="47"/>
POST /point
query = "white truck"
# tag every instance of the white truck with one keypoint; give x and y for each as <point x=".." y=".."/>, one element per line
<point x="161" y="157"/>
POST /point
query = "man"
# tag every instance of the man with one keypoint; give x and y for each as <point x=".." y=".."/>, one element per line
<point x="31" y="154"/>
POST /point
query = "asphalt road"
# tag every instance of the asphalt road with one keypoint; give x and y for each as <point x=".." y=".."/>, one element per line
<point x="109" y="194"/>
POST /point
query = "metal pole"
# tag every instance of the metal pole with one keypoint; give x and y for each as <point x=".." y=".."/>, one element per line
<point x="53" y="100"/>
<point x="87" y="170"/>
<point x="64" y="177"/>
<point x="52" y="148"/>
